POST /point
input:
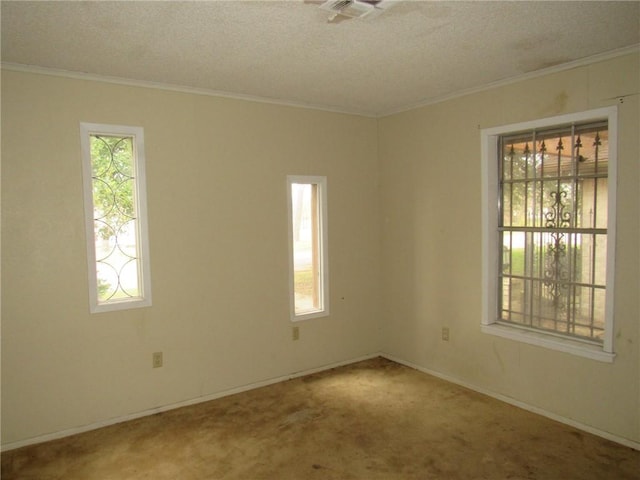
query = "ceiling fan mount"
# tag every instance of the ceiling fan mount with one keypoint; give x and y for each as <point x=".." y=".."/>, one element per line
<point x="354" y="8"/>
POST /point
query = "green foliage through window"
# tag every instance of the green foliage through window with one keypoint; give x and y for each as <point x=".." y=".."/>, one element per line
<point x="113" y="182"/>
<point x="114" y="209"/>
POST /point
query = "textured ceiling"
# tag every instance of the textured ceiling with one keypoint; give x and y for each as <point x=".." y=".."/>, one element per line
<point x="287" y="51"/>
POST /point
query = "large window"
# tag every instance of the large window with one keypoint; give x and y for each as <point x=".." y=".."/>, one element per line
<point x="115" y="209"/>
<point x="552" y="186"/>
<point x="309" y="276"/>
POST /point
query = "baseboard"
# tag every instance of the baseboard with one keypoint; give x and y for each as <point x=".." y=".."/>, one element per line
<point x="243" y="388"/>
<point x="152" y="411"/>
<point x="517" y="403"/>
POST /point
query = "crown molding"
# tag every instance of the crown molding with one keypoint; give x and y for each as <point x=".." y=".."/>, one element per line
<point x="35" y="69"/>
<point x="251" y="98"/>
<point x="519" y="78"/>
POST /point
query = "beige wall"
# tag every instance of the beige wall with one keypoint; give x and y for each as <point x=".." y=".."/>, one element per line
<point x="431" y="214"/>
<point x="216" y="180"/>
<point x="216" y="173"/>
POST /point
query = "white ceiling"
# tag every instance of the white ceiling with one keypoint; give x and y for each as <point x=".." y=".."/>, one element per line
<point x="286" y="51"/>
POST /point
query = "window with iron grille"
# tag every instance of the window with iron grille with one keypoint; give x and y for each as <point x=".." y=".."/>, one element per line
<point x="553" y="194"/>
<point x="115" y="209"/>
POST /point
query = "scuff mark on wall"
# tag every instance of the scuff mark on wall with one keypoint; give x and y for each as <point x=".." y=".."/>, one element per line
<point x="557" y="105"/>
<point x="560" y="102"/>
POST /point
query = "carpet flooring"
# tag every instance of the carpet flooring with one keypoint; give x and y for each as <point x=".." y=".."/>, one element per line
<point x="366" y="421"/>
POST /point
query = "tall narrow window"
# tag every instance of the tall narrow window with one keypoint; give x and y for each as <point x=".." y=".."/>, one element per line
<point x="115" y="210"/>
<point x="309" y="290"/>
<point x="553" y="228"/>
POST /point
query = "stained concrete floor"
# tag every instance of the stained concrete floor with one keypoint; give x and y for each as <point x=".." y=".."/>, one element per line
<point x="370" y="420"/>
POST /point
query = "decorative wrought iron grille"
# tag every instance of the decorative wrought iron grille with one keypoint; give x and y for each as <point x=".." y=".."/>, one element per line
<point x="553" y="229"/>
<point x="115" y="222"/>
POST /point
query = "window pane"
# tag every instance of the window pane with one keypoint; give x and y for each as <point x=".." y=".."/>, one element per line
<point x="307" y="240"/>
<point x="115" y="223"/>
<point x="593" y="154"/>
<point x="517" y="249"/>
<point x="598" y="308"/>
<point x="600" y="203"/>
<point x="553" y="268"/>
<point x="599" y="260"/>
<point x="506" y="205"/>
<point x="518" y="205"/>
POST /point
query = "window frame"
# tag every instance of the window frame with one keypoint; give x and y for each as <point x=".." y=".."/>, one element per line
<point x="142" y="232"/>
<point x="323" y="245"/>
<point x="490" y="239"/>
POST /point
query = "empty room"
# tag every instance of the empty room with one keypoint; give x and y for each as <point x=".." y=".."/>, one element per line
<point x="359" y="239"/>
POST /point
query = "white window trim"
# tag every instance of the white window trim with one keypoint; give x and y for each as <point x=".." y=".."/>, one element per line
<point x="490" y="325"/>
<point x="87" y="129"/>
<point x="321" y="181"/>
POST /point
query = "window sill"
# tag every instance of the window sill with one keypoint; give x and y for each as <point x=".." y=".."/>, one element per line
<point x="127" y="304"/>
<point x="307" y="316"/>
<point x="574" y="347"/>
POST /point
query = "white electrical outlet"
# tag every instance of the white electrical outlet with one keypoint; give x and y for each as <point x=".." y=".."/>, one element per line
<point x="157" y="359"/>
<point x="445" y="334"/>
